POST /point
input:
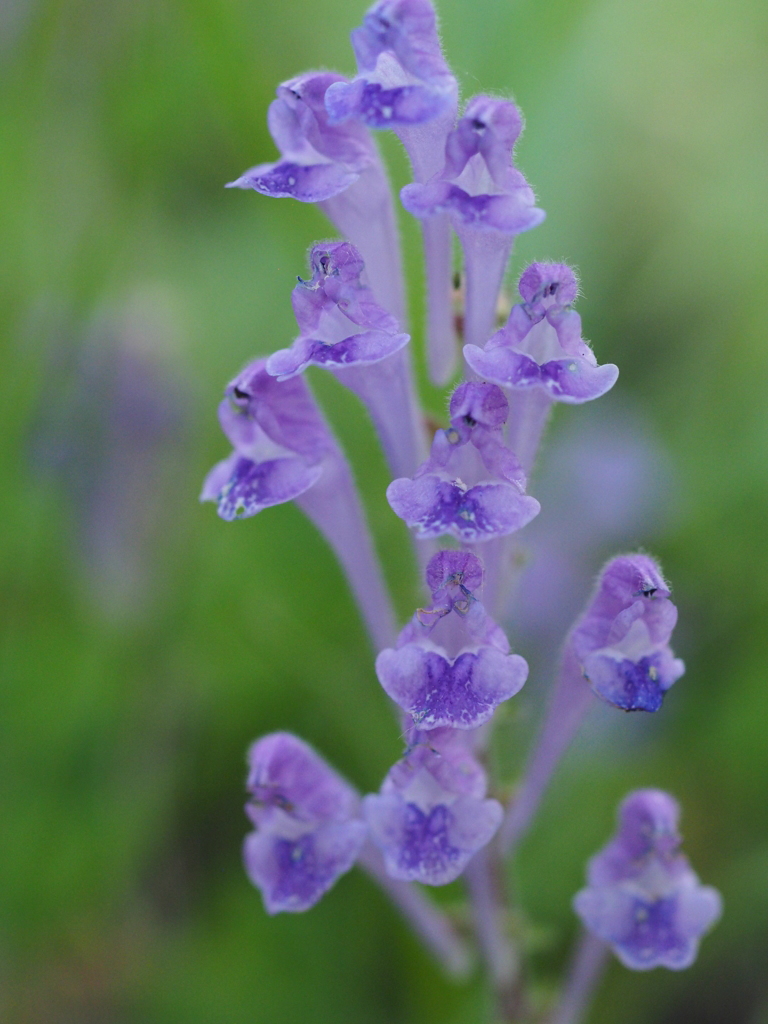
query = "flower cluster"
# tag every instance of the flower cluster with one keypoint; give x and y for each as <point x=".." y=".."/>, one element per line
<point x="450" y="668"/>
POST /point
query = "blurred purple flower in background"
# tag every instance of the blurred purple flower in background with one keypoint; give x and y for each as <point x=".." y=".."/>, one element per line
<point x="643" y="897"/>
<point x="114" y="434"/>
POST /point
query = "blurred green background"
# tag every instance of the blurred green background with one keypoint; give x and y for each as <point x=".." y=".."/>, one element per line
<point x="146" y="642"/>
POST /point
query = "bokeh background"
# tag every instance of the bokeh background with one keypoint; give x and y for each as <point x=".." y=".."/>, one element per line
<point x="146" y="642"/>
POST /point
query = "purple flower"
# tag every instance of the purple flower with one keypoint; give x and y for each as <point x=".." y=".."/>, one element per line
<point x="472" y="485"/>
<point x="488" y="200"/>
<point x="541" y="345"/>
<point x="344" y="329"/>
<point x="431" y="815"/>
<point x="280" y="441"/>
<point x="319" y="159"/>
<point x="621" y="642"/>
<point x="479" y="186"/>
<point x="341" y="323"/>
<point x="284" y="450"/>
<point x="308" y="825"/>
<point x="451" y="665"/>
<point x="403" y="78"/>
<point x="643" y="898"/>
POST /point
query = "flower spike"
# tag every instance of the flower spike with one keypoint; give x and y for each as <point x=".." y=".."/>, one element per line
<point x="643" y="898"/>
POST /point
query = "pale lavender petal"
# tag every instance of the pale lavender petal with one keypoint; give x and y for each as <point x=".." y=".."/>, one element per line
<point x="254" y="486"/>
<point x="478" y="402"/>
<point x="454" y="573"/>
<point x="575" y="380"/>
<point x="286" y="413"/>
<point x="433" y="507"/>
<point x="462" y="693"/>
<point x="633" y="685"/>
<point x="286" y="773"/>
<point x="218" y="477"/>
<point x="357" y="349"/>
<point x="547" y="285"/>
<point x="503" y="366"/>
<point x="286" y="179"/>
<point x="509" y="213"/>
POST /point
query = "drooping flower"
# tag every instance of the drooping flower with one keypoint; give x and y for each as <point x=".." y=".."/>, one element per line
<point x="618" y="647"/>
<point x="472" y="486"/>
<point x="431" y="815"/>
<point x="337" y="166"/>
<point x="280" y="442"/>
<point x="405" y="84"/>
<point x="308" y="825"/>
<point x="318" y="159"/>
<point x="283" y="451"/>
<point x="344" y="329"/>
<point x="621" y="643"/>
<point x="643" y="897"/>
<point x="451" y="665"/>
<point x="488" y="200"/>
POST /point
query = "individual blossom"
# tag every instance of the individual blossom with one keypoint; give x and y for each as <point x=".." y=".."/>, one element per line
<point x="405" y="84"/>
<point x="451" y="665"/>
<point x="432" y="815"/>
<point x="618" y="649"/>
<point x="540" y="352"/>
<point x="643" y="898"/>
<point x="345" y="330"/>
<point x="284" y="451"/>
<point x="403" y="77"/>
<point x="308" y="828"/>
<point x="487" y="198"/>
<point x="621" y="642"/>
<point x="338" y="167"/>
<point x="472" y="486"/>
